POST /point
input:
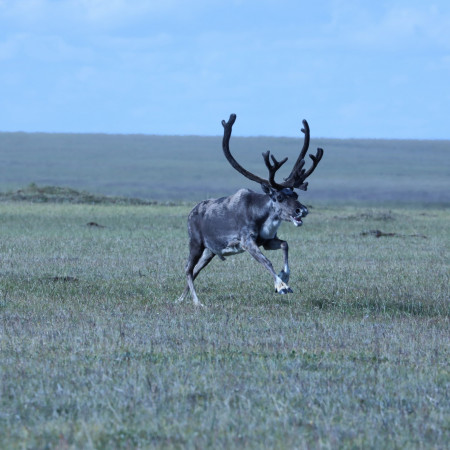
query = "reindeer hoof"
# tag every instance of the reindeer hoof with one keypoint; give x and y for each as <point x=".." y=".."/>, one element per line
<point x="281" y="287"/>
<point x="199" y="305"/>
<point x="285" y="291"/>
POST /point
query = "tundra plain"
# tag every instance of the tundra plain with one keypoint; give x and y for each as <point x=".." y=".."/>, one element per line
<point x="95" y="353"/>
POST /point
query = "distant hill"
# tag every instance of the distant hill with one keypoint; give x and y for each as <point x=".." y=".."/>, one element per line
<point x="190" y="168"/>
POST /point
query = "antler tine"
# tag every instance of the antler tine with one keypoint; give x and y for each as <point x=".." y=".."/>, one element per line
<point x="316" y="159"/>
<point x="297" y="177"/>
<point x="226" y="150"/>
<point x="273" y="168"/>
<point x="305" y="131"/>
<point x="301" y="158"/>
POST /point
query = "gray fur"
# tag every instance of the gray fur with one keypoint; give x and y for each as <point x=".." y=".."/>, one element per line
<point x="241" y="222"/>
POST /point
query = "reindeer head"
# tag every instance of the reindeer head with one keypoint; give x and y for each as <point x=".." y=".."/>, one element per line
<point x="285" y="204"/>
<point x="284" y="198"/>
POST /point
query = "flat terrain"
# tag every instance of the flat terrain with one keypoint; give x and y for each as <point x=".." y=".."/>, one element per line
<point x="94" y="352"/>
<point x="190" y="168"/>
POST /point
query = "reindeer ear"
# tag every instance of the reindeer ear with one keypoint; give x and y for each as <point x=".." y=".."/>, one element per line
<point x="268" y="189"/>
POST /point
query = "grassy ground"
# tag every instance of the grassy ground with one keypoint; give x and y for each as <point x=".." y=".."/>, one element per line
<point x="96" y="354"/>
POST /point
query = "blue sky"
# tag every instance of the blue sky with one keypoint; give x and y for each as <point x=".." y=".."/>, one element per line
<point x="362" y="69"/>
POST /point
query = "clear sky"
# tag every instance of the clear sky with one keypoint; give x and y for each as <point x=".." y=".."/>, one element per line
<point x="352" y="68"/>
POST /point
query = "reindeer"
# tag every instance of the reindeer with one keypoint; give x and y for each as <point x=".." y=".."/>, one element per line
<point x="247" y="220"/>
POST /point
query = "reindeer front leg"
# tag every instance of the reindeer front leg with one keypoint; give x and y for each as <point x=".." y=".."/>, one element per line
<point x="250" y="245"/>
<point x="276" y="244"/>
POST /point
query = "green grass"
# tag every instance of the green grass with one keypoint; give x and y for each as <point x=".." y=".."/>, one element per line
<point x="96" y="354"/>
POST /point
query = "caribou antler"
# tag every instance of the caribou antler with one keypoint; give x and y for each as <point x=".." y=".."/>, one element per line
<point x="273" y="169"/>
<point x="298" y="175"/>
<point x="226" y="150"/>
<point x="298" y="166"/>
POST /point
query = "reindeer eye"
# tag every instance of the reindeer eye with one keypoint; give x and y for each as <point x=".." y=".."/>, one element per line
<point x="280" y="198"/>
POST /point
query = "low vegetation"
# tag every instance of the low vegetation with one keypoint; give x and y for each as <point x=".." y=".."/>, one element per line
<point x="57" y="194"/>
<point x="191" y="168"/>
<point x="94" y="352"/>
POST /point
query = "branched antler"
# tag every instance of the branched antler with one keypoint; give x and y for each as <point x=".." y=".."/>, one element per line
<point x="298" y="175"/>
<point x="273" y="168"/>
<point x="226" y="150"/>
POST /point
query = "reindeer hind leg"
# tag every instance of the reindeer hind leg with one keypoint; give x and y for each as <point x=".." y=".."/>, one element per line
<point x="183" y="295"/>
<point x="204" y="260"/>
<point x="199" y="257"/>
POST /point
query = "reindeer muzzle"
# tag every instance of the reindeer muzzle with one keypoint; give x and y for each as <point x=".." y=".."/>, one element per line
<point x="297" y="219"/>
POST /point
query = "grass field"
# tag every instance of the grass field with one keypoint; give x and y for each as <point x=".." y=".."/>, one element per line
<point x="96" y="354"/>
